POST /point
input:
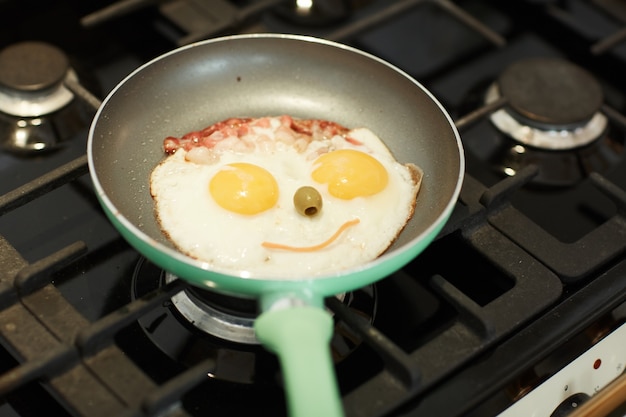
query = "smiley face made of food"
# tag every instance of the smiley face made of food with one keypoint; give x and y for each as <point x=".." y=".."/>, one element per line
<point x="281" y="197"/>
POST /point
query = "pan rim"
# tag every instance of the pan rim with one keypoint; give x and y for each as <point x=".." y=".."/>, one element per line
<point x="405" y="250"/>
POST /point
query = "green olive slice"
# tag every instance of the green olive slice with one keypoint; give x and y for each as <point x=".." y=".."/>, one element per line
<point x="307" y="201"/>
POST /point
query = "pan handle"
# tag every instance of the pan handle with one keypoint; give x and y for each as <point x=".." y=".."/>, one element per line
<point x="300" y="337"/>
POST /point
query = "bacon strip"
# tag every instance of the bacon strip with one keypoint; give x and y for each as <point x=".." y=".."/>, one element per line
<point x="241" y="126"/>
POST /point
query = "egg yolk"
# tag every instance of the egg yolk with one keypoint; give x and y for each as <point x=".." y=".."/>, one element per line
<point x="350" y="174"/>
<point x="244" y="188"/>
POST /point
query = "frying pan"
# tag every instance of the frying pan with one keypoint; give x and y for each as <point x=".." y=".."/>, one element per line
<point x="260" y="75"/>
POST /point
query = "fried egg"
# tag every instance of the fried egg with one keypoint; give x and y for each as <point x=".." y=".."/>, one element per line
<point x="226" y="197"/>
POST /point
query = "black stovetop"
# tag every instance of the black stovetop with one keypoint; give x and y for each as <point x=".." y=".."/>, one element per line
<point x="521" y="271"/>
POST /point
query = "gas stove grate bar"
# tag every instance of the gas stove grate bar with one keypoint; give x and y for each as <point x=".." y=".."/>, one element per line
<point x="28" y="278"/>
<point x="55" y="362"/>
<point x="166" y="398"/>
<point x="44" y="184"/>
<point x="12" y="262"/>
<point x="499" y="194"/>
<point x="470" y="314"/>
<point x="616" y="10"/>
<point x="609" y="42"/>
<point x="398" y="8"/>
<point x="371" y="21"/>
<point x="599" y="47"/>
<point x="100" y="333"/>
<point x="227" y="16"/>
<point x="36" y="275"/>
<point x="471" y="22"/>
<point x="77" y="88"/>
<point x="614" y="115"/>
<point x="478" y="114"/>
<point x="396" y="360"/>
<point x="615" y="193"/>
<point x="115" y="10"/>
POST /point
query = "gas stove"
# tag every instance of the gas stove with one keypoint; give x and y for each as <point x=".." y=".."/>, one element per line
<point x="520" y="300"/>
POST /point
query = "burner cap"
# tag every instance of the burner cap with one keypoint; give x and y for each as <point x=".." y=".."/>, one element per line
<point x="551" y="93"/>
<point x="32" y="67"/>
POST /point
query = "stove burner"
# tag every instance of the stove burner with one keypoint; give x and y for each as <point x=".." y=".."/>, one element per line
<point x="36" y="111"/>
<point x="551" y="93"/>
<point x="566" y="139"/>
<point x="198" y="324"/>
<point x="551" y="139"/>
<point x="551" y="104"/>
<point x="31" y="76"/>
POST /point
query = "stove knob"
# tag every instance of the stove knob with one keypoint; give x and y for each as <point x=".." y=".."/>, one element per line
<point x="570" y="404"/>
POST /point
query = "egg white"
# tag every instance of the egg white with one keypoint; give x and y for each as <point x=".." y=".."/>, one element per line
<point x="228" y="241"/>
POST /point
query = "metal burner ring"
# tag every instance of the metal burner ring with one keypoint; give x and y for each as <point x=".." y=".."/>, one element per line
<point x="211" y="320"/>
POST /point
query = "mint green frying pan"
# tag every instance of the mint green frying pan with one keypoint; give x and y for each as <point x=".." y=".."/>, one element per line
<point x="260" y="75"/>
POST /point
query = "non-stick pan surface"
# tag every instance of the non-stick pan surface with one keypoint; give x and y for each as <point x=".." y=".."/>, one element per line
<point x="262" y="75"/>
<point x="271" y="75"/>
